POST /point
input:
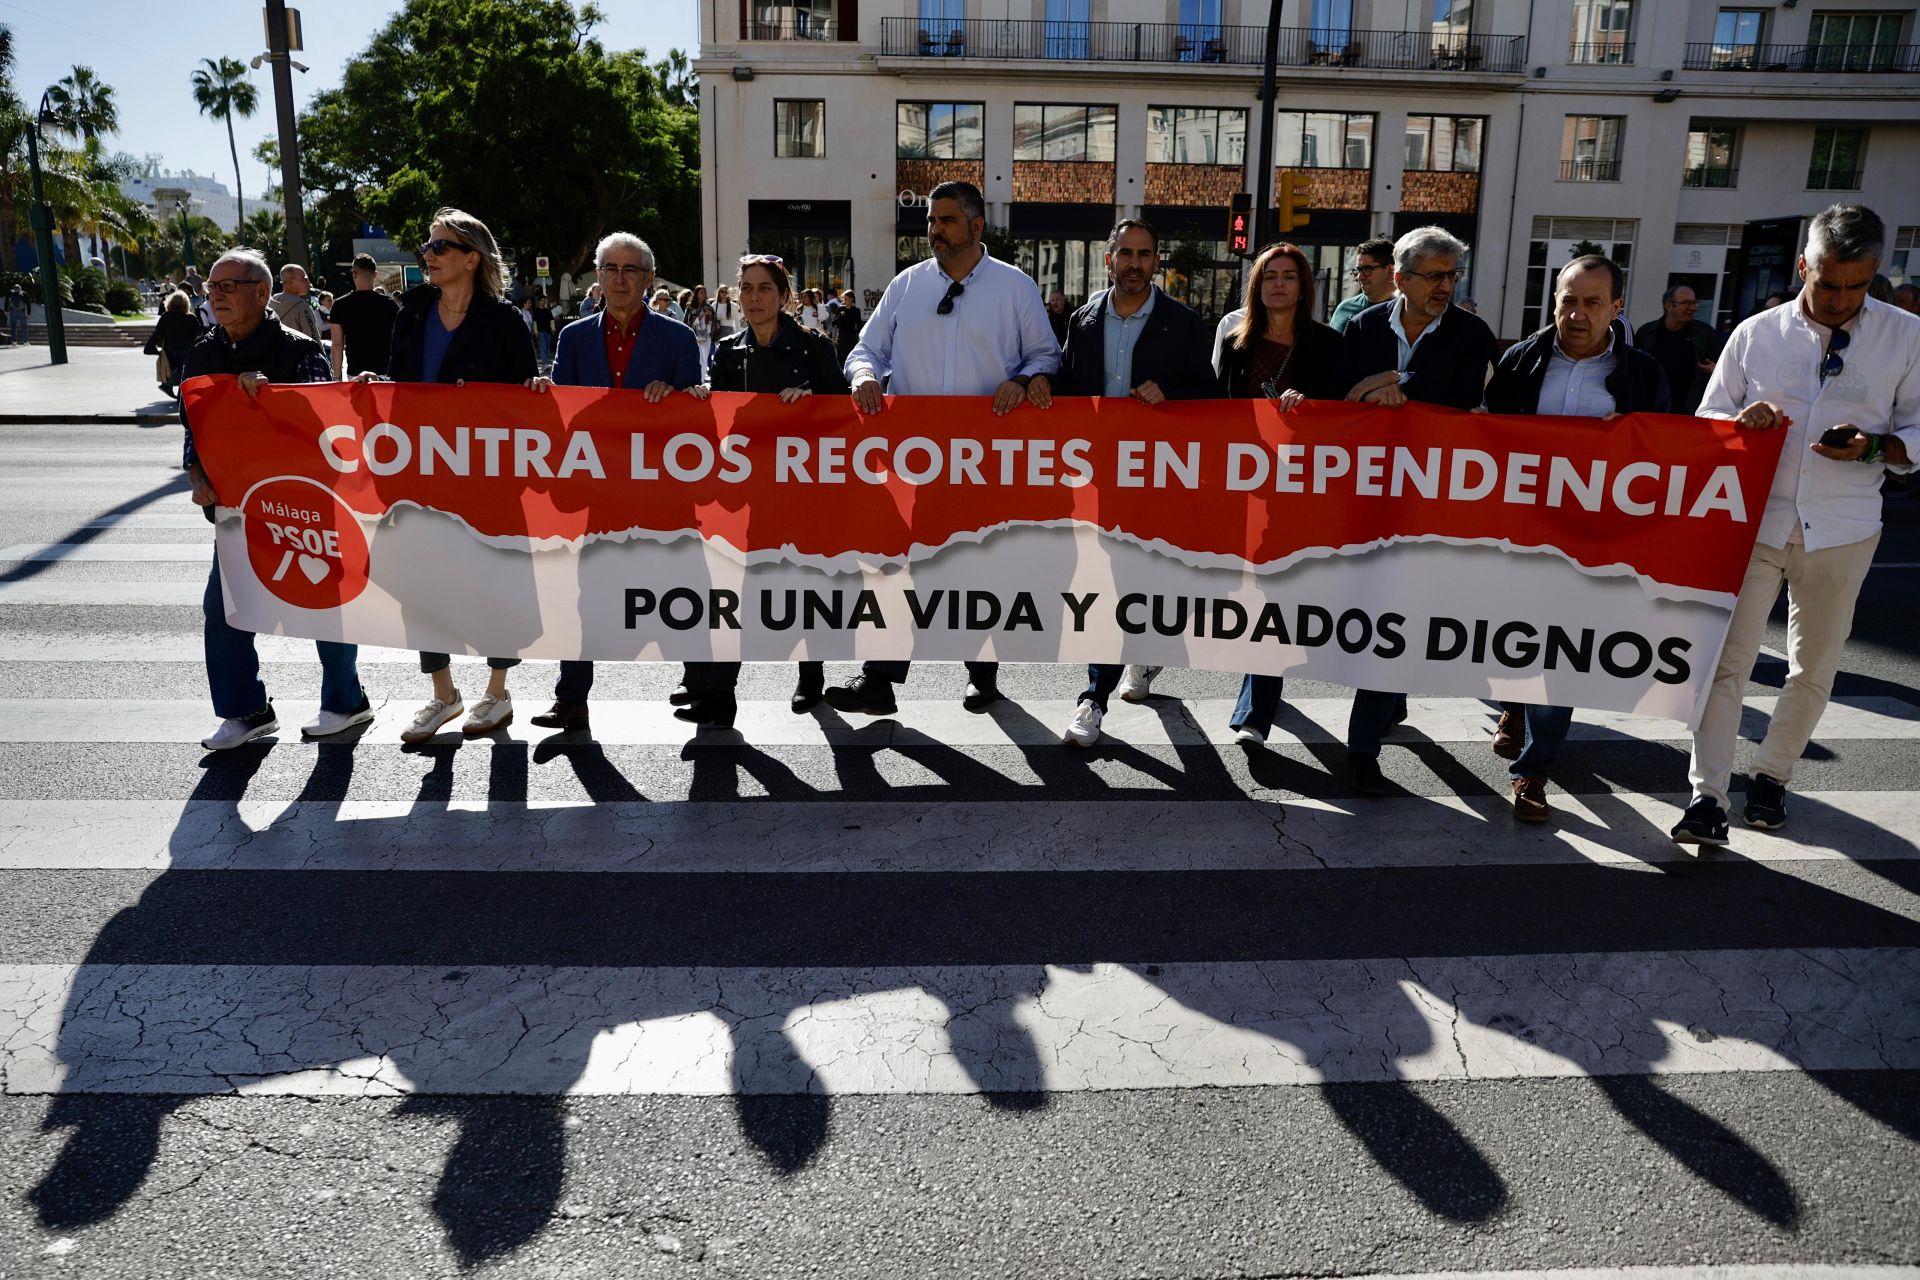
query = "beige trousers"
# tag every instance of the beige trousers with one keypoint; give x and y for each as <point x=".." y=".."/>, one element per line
<point x="1821" y="589"/>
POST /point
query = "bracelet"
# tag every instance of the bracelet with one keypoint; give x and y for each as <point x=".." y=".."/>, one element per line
<point x="1876" y="445"/>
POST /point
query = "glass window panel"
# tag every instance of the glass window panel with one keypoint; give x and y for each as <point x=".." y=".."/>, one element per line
<point x="1160" y="134"/>
<point x="1467" y="143"/>
<point x="910" y="130"/>
<point x="1289" y="135"/>
<point x="1359" y="144"/>
<point x="1065" y="136"/>
<point x="799" y="128"/>
<point x="1419" y="142"/>
<point x="1102" y="125"/>
<point x="1029" y="129"/>
<point x="1233" y="137"/>
<point x="1321" y="144"/>
<point x="970" y="131"/>
<point x="940" y="130"/>
<point x="1076" y="283"/>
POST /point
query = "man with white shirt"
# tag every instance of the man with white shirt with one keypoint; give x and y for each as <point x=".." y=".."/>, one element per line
<point x="1829" y="361"/>
<point x="962" y="323"/>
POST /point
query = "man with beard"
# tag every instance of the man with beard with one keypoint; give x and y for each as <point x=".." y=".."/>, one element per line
<point x="962" y="323"/>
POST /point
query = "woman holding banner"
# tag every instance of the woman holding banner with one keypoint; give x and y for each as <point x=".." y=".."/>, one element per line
<point x="458" y="328"/>
<point x="772" y="355"/>
<point x="1281" y="352"/>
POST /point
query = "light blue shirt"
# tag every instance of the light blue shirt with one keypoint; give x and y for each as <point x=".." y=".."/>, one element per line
<point x="1121" y="334"/>
<point x="1578" y="388"/>
<point x="1400" y="333"/>
<point x="998" y="328"/>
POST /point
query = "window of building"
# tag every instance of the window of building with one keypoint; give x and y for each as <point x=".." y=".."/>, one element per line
<point x="1602" y="31"/>
<point x="1067" y="29"/>
<point x="799" y="127"/>
<point x="1199" y="38"/>
<point x="1445" y="144"/>
<point x="1838" y="158"/>
<point x="1854" y="41"/>
<point x="1196" y="135"/>
<point x="1324" y="140"/>
<point x="792" y="20"/>
<point x="1452" y="21"/>
<point x="1737" y="34"/>
<point x="1713" y="152"/>
<point x="1558" y="241"/>
<point x="1332" y="23"/>
<point x="1590" y="148"/>
<point x="1061" y="132"/>
<point x="940" y="131"/>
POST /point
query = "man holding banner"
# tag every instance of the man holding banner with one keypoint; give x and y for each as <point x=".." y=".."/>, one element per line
<point x="1841" y="373"/>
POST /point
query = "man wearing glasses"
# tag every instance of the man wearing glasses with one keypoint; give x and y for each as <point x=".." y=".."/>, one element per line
<point x="1374" y="271"/>
<point x="1841" y="373"/>
<point x="961" y="323"/>
<point x="1685" y="346"/>
<point x="1417" y="347"/>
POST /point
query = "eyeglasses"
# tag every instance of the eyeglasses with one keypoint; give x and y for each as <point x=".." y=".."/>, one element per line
<point x="1438" y="277"/>
<point x="762" y="260"/>
<point x="954" y="290"/>
<point x="439" y="246"/>
<point x="1835" y="363"/>
<point x="229" y="286"/>
<point x="1364" y="270"/>
<point x="620" y="270"/>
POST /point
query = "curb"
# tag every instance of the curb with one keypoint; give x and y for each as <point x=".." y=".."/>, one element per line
<point x="82" y="419"/>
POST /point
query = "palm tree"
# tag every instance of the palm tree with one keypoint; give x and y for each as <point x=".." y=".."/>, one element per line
<point x="83" y="105"/>
<point x="222" y="89"/>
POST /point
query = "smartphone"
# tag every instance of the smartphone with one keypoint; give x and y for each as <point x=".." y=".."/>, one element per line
<point x="1837" y="437"/>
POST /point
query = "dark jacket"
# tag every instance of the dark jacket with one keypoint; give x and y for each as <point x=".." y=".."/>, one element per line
<point x="665" y="351"/>
<point x="272" y="349"/>
<point x="1174" y="352"/>
<point x="795" y="358"/>
<point x="1313" y="369"/>
<point x="1706" y="342"/>
<point x="1637" y="383"/>
<point x="175" y="333"/>
<point x="491" y="345"/>
<point x="1449" y="365"/>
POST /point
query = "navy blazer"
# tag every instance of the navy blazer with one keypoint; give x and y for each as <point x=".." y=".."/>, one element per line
<point x="1174" y="352"/>
<point x="664" y="351"/>
<point x="1449" y="365"/>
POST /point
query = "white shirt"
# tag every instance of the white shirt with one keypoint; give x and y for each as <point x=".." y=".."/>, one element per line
<point x="1776" y="356"/>
<point x="998" y="328"/>
<point x="1578" y="388"/>
<point x="1400" y="333"/>
<point x="1222" y="331"/>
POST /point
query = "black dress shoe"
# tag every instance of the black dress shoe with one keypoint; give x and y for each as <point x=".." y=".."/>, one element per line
<point x="866" y="694"/>
<point x="683" y="695"/>
<point x="808" y="694"/>
<point x="1364" y="773"/>
<point x="979" y="697"/>
<point x="710" y="710"/>
<point x="563" y="716"/>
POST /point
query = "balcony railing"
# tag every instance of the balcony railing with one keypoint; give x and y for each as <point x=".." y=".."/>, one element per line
<point x="1589" y="171"/>
<point x="801" y="29"/>
<point x="1802" y="57"/>
<point x="1199" y="43"/>
<point x="1835" y="179"/>
<point x="1616" y="53"/>
<point x="1710" y="176"/>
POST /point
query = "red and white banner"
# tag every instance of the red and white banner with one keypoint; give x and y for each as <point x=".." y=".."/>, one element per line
<point x="1559" y="560"/>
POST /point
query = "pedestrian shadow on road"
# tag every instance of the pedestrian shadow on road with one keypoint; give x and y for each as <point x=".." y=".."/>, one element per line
<point x="34" y="568"/>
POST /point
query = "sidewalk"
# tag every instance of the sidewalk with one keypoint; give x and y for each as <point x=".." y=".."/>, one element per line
<point x="97" y="384"/>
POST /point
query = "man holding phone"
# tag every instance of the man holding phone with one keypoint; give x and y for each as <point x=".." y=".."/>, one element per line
<point x="1841" y="373"/>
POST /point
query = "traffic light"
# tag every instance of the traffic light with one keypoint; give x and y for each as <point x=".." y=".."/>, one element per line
<point x="1294" y="192"/>
<point x="1240" y="224"/>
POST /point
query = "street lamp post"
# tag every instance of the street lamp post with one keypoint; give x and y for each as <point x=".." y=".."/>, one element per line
<point x="42" y="219"/>
<point x="1263" y="200"/>
<point x="186" y="235"/>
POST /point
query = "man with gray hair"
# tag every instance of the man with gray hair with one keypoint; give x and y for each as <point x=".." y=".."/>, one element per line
<point x="1840" y="373"/>
<point x="294" y="303"/>
<point x="1686" y="347"/>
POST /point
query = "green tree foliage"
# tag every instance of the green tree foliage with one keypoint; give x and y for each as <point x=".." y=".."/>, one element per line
<point x="221" y="89"/>
<point x="83" y="106"/>
<point x="511" y="110"/>
<point x="266" y="230"/>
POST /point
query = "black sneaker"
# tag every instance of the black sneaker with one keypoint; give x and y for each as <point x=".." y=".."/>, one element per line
<point x="1703" y="823"/>
<point x="866" y="694"/>
<point x="1766" y="803"/>
<point x="1364" y="773"/>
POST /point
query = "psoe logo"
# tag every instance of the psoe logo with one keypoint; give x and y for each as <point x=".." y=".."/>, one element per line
<point x="305" y="545"/>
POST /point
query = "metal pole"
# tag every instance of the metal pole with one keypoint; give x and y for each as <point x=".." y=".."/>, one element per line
<point x="1263" y="187"/>
<point x="42" y="219"/>
<point x="281" y="58"/>
<point x="186" y="237"/>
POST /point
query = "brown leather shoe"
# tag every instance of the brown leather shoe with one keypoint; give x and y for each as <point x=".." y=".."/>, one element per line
<point x="563" y="715"/>
<point x="1510" y="735"/>
<point x="1530" y="800"/>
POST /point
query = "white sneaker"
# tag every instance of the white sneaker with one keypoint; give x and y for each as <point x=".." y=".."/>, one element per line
<point x="328" y="723"/>
<point x="1084" y="729"/>
<point x="242" y="729"/>
<point x="1135" y="685"/>
<point x="488" y="714"/>
<point x="428" y="719"/>
<point x="1248" y="736"/>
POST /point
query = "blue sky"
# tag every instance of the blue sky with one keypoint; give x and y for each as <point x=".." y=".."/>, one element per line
<point x="147" y="51"/>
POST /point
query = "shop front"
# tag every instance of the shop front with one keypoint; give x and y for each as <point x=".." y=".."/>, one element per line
<point x="813" y="237"/>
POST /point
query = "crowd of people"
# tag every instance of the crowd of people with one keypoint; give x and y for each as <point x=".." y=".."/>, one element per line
<point x="1838" y="369"/>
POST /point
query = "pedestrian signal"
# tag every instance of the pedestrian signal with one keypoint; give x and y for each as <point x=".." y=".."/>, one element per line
<point x="1240" y="224"/>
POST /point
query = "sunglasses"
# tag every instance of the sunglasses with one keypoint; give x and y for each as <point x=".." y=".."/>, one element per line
<point x="762" y="260"/>
<point x="954" y="290"/>
<point x="439" y="246"/>
<point x="1835" y="363"/>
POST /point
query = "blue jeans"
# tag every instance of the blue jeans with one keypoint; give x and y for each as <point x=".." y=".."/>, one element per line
<point x="984" y="674"/>
<point x="1373" y="714"/>
<point x="17" y="328"/>
<point x="1259" y="703"/>
<point x="233" y="667"/>
<point x="546" y="349"/>
<point x="1546" y="731"/>
<point x="1102" y="679"/>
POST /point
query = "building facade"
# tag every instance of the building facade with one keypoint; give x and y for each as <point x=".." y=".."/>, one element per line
<point x="1688" y="140"/>
<point x="206" y="197"/>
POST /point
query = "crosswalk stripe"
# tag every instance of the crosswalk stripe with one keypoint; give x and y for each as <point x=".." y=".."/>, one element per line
<point x="391" y="1029"/>
<point x="712" y="837"/>
<point x="108" y="552"/>
<point x="41" y="591"/>
<point x="1031" y="722"/>
<point x="151" y="520"/>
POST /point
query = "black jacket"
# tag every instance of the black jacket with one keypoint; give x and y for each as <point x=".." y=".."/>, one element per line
<point x="491" y="345"/>
<point x="1449" y="365"/>
<point x="272" y="348"/>
<point x="175" y="333"/>
<point x="1313" y="369"/>
<point x="1174" y="352"/>
<point x="1637" y="383"/>
<point x="795" y="358"/>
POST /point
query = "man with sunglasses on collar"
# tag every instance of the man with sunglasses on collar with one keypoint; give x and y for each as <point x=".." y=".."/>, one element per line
<point x="961" y="323"/>
<point x="1840" y="373"/>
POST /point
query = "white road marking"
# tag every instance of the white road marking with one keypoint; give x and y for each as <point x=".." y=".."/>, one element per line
<point x="109" y="552"/>
<point x="40" y="591"/>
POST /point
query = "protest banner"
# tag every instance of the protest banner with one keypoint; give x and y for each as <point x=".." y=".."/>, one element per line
<point x="1537" y="559"/>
